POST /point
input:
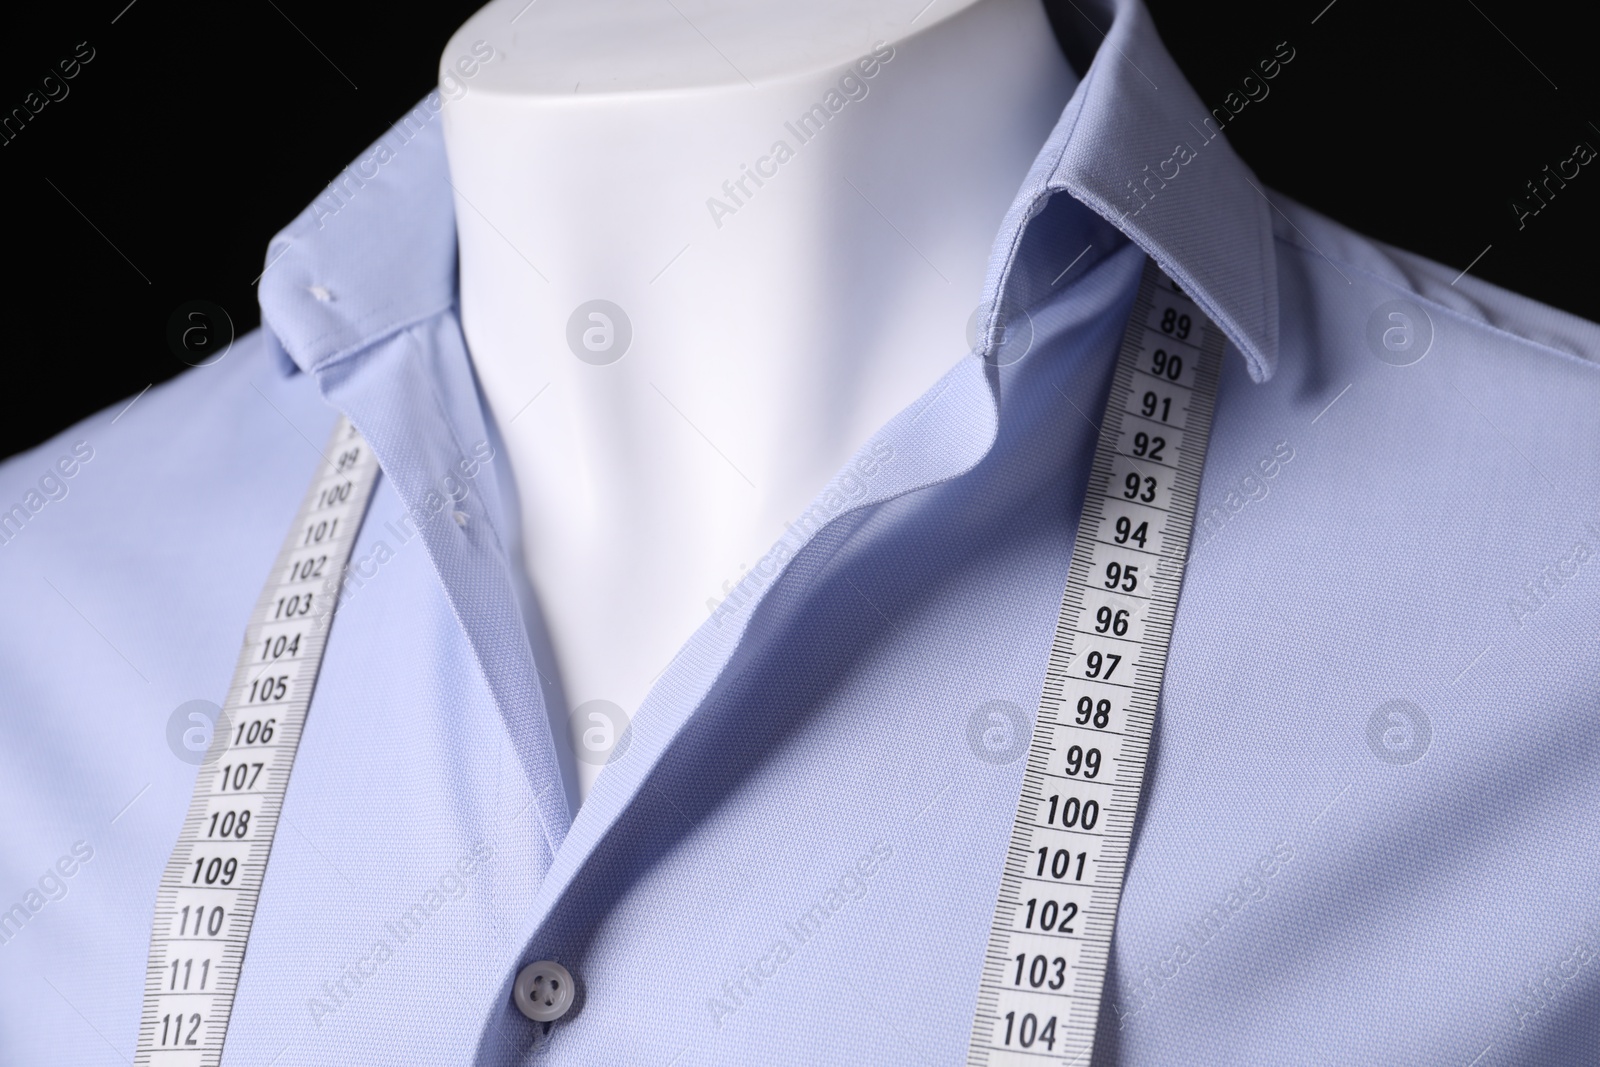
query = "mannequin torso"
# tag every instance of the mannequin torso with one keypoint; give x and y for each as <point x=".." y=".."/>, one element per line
<point x="706" y="250"/>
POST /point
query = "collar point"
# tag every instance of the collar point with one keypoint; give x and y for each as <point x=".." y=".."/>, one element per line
<point x="1262" y="365"/>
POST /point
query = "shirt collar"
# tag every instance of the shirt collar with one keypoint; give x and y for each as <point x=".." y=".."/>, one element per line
<point x="1137" y="147"/>
<point x="375" y="252"/>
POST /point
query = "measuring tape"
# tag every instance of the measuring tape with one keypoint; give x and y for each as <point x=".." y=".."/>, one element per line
<point x="208" y="894"/>
<point x="1039" y="999"/>
<point x="1051" y="935"/>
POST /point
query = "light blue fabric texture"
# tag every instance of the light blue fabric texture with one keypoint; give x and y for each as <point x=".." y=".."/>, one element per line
<point x="797" y="858"/>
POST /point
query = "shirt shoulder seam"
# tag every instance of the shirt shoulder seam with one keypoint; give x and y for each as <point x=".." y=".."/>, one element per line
<point x="1443" y="309"/>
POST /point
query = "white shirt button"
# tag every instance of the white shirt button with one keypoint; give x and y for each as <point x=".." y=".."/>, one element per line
<point x="544" y="991"/>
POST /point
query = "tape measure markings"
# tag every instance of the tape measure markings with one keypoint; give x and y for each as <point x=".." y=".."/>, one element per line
<point x="206" y="902"/>
<point x="1050" y="938"/>
<point x="1138" y="515"/>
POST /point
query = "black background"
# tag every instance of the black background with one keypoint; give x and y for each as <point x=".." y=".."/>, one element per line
<point x="199" y="129"/>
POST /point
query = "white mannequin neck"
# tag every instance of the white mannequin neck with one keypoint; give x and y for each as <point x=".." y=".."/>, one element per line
<point x="605" y="151"/>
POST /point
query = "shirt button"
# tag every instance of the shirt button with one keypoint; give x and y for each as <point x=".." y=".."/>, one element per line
<point x="544" y="991"/>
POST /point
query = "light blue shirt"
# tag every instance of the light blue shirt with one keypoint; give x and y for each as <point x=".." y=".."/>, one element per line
<point x="1370" y="827"/>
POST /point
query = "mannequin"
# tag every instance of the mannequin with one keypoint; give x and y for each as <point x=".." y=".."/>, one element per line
<point x="706" y="250"/>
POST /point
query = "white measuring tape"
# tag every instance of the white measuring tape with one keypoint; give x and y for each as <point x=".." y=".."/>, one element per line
<point x="208" y="894"/>
<point x="1051" y="935"/>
